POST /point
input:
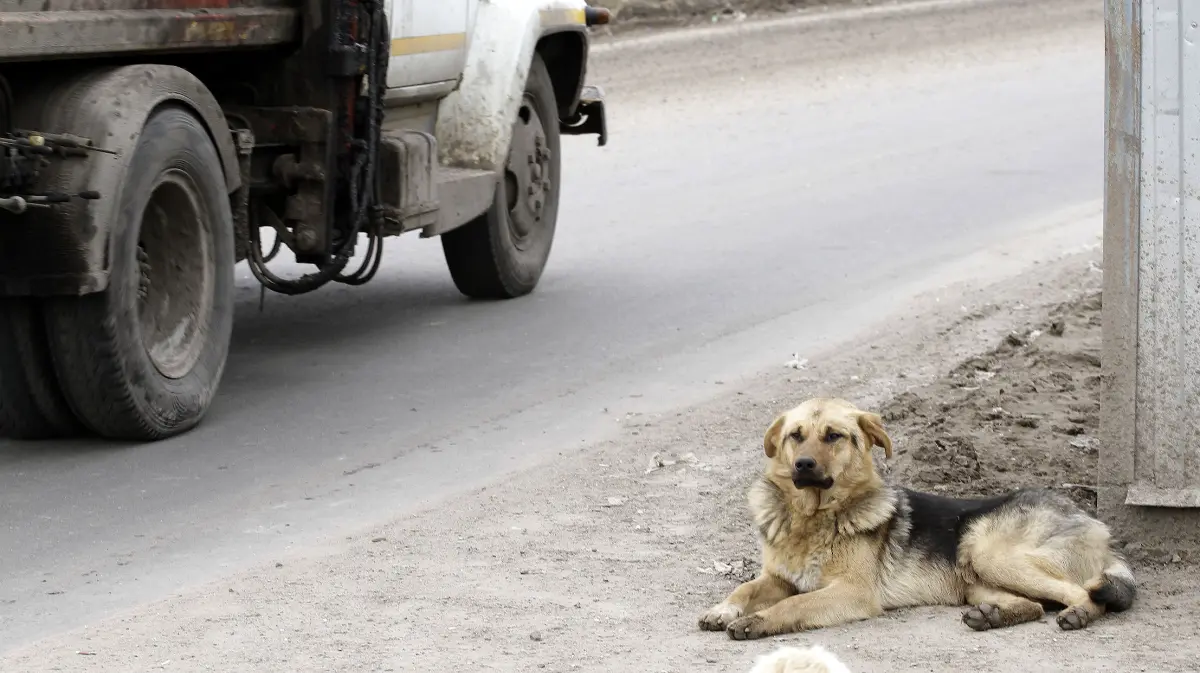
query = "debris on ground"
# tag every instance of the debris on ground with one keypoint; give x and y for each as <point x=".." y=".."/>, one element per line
<point x="796" y="362"/>
<point x="658" y="462"/>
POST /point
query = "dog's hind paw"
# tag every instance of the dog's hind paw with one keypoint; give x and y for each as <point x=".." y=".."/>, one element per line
<point x="752" y="627"/>
<point x="982" y="617"/>
<point x="1073" y="618"/>
<point x="719" y="617"/>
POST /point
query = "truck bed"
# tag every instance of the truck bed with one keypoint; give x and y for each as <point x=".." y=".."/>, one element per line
<point x="46" y="29"/>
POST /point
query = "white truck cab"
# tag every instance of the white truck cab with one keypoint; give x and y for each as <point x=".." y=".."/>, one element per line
<point x="490" y="84"/>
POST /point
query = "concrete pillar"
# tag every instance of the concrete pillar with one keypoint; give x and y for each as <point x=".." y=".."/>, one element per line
<point x="1149" y="472"/>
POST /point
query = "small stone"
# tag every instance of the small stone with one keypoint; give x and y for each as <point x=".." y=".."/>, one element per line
<point x="536" y="636"/>
<point x="995" y="414"/>
<point x="1175" y="558"/>
<point x="1085" y="444"/>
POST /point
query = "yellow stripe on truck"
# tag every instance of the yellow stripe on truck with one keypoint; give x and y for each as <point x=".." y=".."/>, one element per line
<point x="428" y="44"/>
<point x="560" y="17"/>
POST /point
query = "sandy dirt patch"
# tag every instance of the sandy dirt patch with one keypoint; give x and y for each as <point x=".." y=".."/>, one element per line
<point x="602" y="559"/>
<point x="1024" y="413"/>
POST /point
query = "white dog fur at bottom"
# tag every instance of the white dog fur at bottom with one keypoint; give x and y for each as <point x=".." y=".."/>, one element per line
<point x="814" y="659"/>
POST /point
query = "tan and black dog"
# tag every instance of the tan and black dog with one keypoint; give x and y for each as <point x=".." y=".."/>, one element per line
<point x="839" y="544"/>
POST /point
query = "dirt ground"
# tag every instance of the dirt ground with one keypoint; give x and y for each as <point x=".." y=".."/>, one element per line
<point x="602" y="559"/>
<point x="1024" y="413"/>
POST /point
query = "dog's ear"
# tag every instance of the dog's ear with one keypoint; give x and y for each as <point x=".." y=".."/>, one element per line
<point x="872" y="426"/>
<point x="772" y="439"/>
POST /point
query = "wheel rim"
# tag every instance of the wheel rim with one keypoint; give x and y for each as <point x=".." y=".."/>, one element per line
<point x="175" y="279"/>
<point x="527" y="183"/>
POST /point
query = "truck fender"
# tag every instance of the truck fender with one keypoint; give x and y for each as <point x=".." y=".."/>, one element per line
<point x="65" y="250"/>
<point x="474" y="123"/>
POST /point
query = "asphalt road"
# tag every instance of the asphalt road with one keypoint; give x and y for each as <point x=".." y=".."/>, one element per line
<point x="768" y="189"/>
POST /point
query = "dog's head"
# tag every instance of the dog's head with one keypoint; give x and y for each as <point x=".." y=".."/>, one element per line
<point x="824" y="442"/>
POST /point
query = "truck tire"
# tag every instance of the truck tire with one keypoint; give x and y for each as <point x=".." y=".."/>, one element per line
<point x="142" y="360"/>
<point x="31" y="404"/>
<point x="501" y="254"/>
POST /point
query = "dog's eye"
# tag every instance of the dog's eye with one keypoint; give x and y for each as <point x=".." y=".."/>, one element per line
<point x="832" y="437"/>
<point x="798" y="436"/>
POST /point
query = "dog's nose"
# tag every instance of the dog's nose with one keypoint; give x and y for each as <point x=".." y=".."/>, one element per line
<point x="806" y="464"/>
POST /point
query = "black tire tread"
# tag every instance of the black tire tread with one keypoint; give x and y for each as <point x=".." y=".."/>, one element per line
<point x="31" y="404"/>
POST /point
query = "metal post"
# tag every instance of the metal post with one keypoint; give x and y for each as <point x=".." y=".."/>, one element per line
<point x="1149" y="471"/>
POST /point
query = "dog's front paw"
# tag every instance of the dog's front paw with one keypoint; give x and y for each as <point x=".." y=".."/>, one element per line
<point x="751" y="627"/>
<point x="719" y="617"/>
<point x="1073" y="619"/>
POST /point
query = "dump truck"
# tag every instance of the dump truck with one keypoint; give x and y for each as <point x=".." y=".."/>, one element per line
<point x="149" y="146"/>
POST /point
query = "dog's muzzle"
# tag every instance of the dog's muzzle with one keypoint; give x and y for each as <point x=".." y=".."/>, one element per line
<point x="807" y="474"/>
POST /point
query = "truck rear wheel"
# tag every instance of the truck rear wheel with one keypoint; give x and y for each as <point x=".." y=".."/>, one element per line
<point x="143" y="359"/>
<point x="501" y="254"/>
<point x="31" y="404"/>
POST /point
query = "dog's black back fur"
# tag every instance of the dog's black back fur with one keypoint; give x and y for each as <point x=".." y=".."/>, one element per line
<point x="938" y="522"/>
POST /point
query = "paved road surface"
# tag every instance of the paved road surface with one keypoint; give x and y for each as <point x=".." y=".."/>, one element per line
<point x="769" y="189"/>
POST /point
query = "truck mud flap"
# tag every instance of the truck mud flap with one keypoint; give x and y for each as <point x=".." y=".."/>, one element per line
<point x="589" y="116"/>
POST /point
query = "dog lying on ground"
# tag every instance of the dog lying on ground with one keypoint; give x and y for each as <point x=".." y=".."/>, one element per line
<point x="840" y="545"/>
<point x="815" y="659"/>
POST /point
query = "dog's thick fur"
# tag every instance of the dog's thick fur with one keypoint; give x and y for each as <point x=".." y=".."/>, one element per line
<point x="814" y="659"/>
<point x="840" y="545"/>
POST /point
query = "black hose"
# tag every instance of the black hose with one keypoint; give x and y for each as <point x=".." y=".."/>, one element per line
<point x="368" y="211"/>
<point x="7" y="106"/>
<point x="274" y="249"/>
<point x="288" y="286"/>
